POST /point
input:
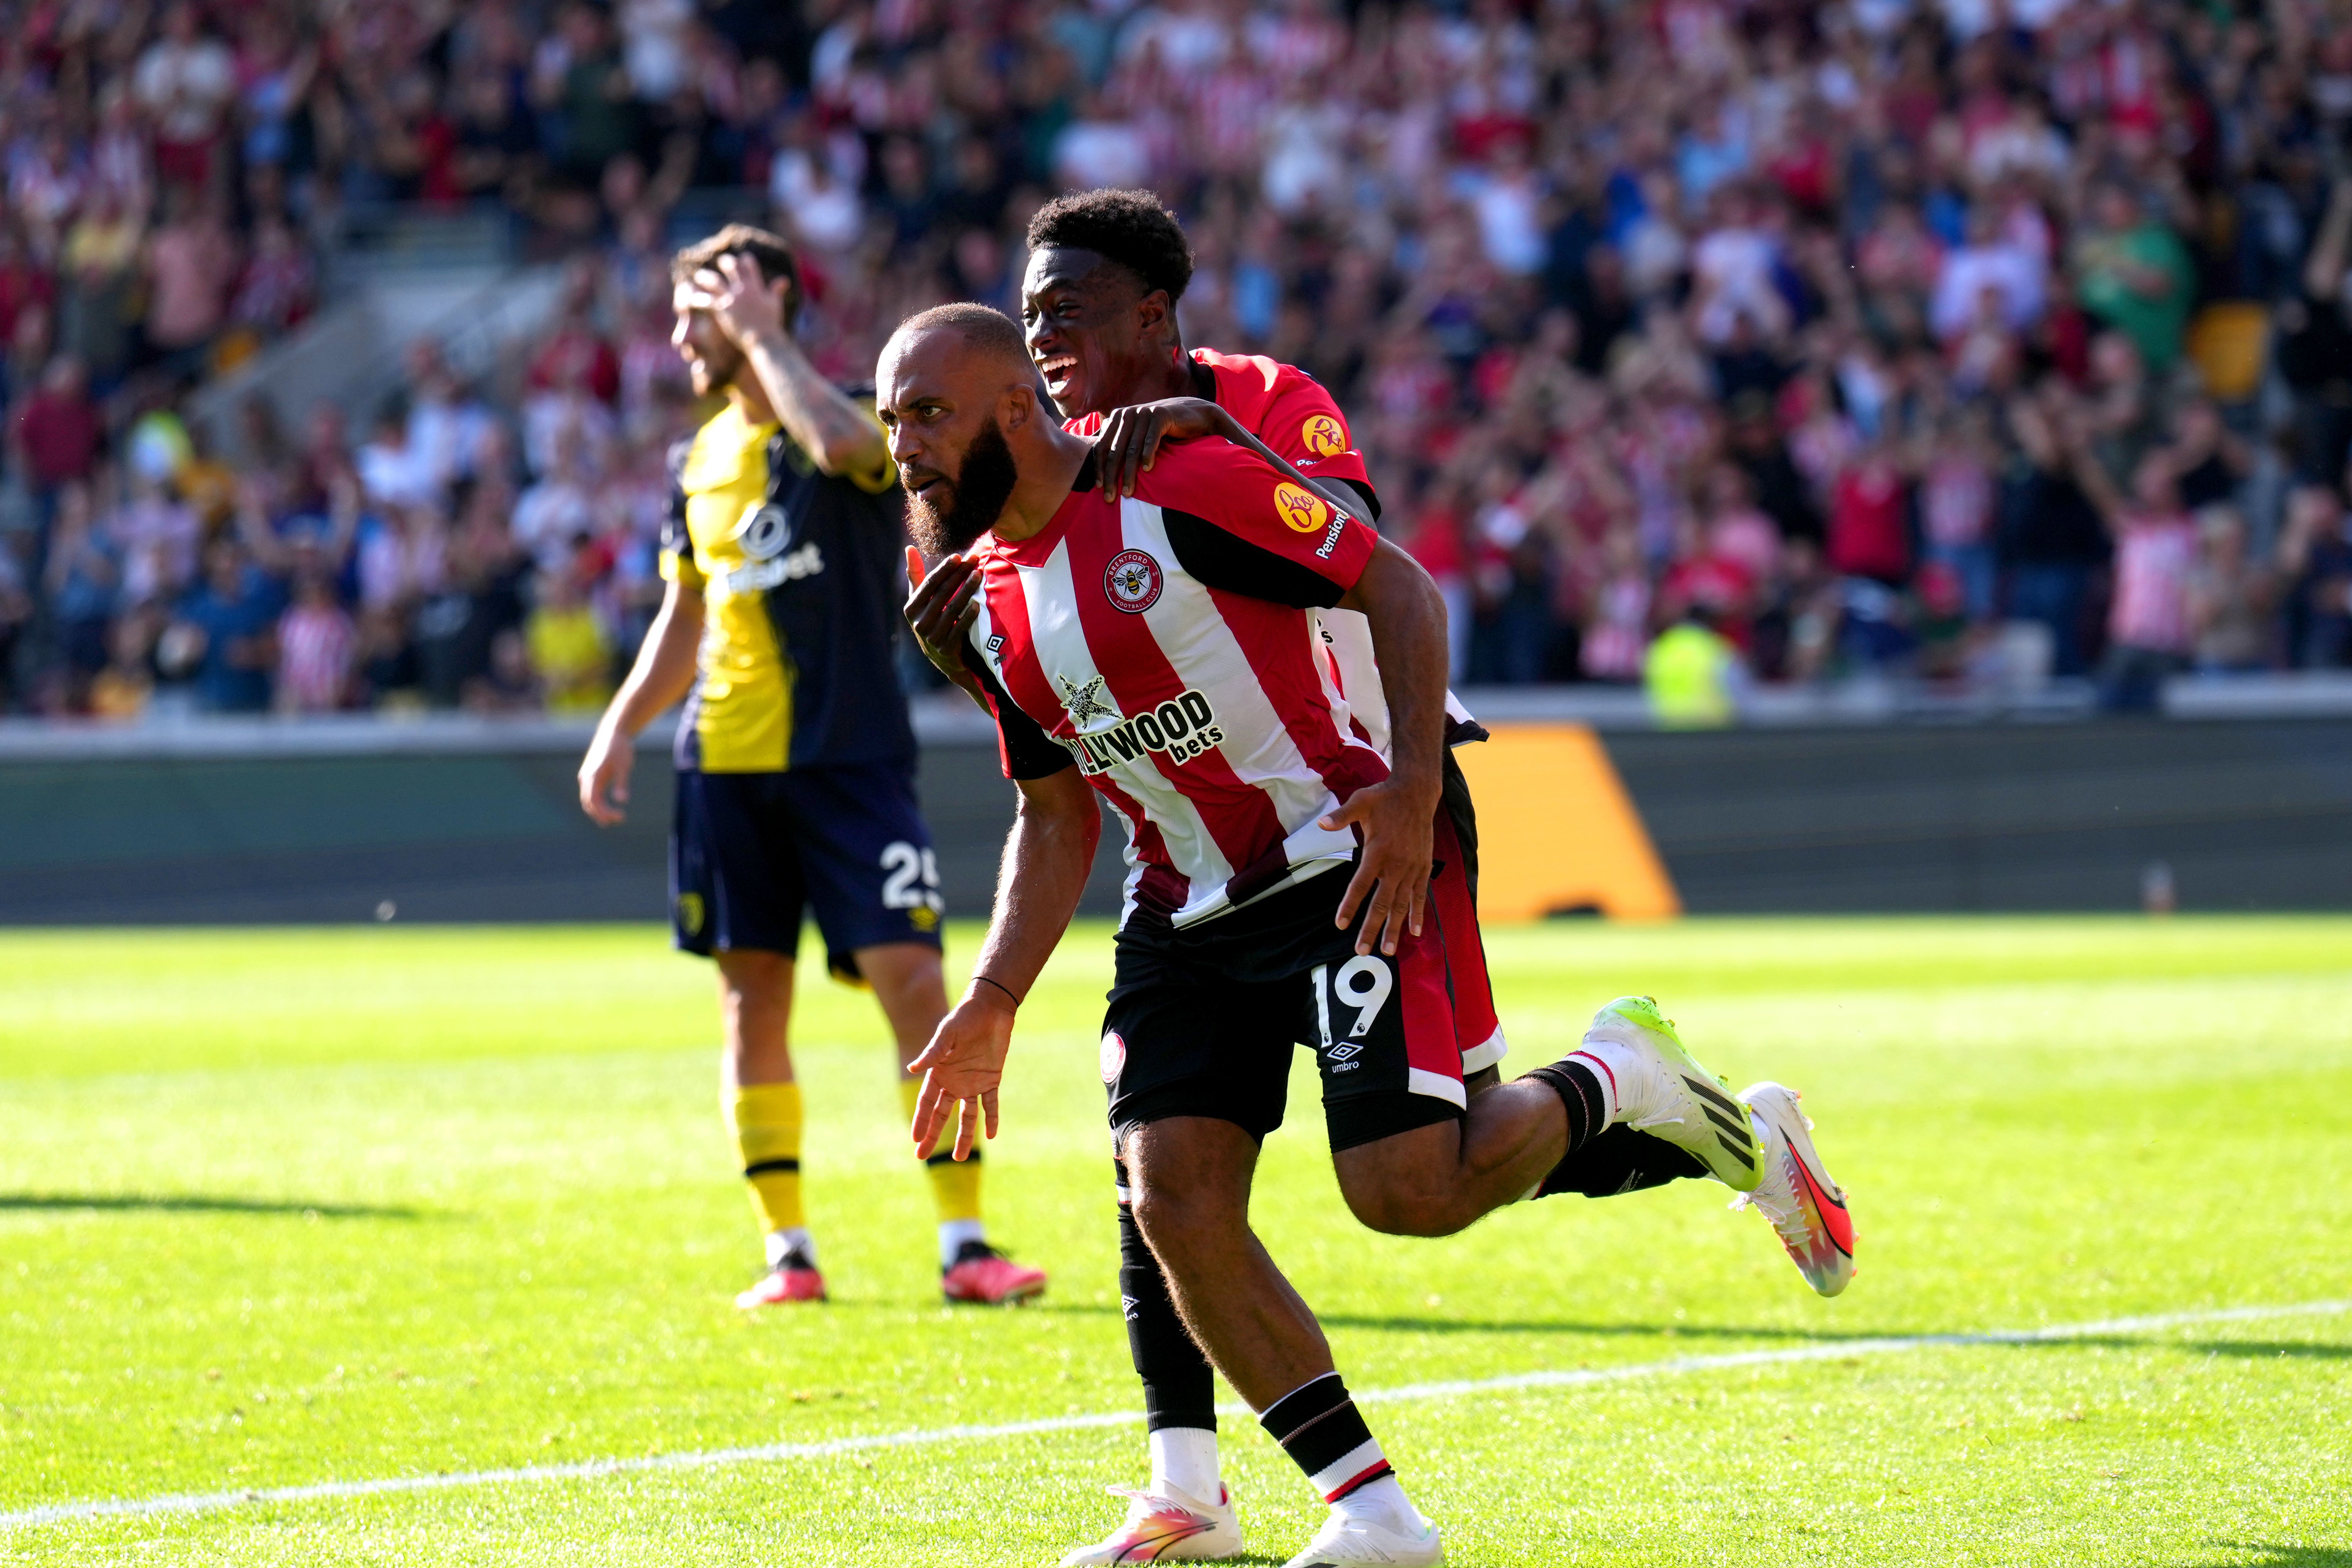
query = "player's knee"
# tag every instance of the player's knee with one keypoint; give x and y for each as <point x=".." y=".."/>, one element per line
<point x="1179" y="1220"/>
<point x="1407" y="1184"/>
<point x="761" y="979"/>
<point x="902" y="968"/>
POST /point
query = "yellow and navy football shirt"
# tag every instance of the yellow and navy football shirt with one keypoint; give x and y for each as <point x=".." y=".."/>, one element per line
<point x="799" y="573"/>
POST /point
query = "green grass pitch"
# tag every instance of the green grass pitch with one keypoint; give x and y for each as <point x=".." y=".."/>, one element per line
<point x="290" y="1208"/>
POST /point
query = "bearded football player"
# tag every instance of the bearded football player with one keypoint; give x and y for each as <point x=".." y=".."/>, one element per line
<point x="1105" y="272"/>
<point x="1156" y="654"/>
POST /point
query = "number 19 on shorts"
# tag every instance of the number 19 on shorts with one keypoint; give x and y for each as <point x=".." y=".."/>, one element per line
<point x="1348" y="1003"/>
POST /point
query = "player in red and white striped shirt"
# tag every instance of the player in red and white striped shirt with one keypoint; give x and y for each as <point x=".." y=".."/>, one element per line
<point x="1098" y="298"/>
<point x="1161" y="650"/>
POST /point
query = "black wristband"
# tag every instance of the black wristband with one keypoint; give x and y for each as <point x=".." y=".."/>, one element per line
<point x="985" y="980"/>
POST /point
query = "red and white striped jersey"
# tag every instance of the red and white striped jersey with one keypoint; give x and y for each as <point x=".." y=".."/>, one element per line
<point x="1279" y="404"/>
<point x="1164" y="643"/>
<point x="1298" y="419"/>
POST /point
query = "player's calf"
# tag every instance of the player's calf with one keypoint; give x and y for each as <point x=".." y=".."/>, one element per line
<point x="1441" y="1178"/>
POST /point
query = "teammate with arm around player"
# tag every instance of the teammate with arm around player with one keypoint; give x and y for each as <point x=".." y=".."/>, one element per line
<point x="1106" y="267"/>
<point x="1158" y="652"/>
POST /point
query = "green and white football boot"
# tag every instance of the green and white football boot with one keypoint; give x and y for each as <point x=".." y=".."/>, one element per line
<point x="1660" y="1089"/>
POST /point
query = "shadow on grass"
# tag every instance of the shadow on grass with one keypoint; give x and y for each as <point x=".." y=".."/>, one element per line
<point x="2248" y="1349"/>
<point x="2280" y="1556"/>
<point x="1540" y="1326"/>
<point x="197" y="1202"/>
<point x="2261" y="1350"/>
<point x="2252" y="1349"/>
<point x="1551" y="1326"/>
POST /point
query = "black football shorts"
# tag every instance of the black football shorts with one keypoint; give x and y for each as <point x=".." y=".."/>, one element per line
<point x="1202" y="1022"/>
<point x="750" y="854"/>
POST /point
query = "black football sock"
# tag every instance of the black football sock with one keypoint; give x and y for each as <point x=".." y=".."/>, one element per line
<point x="1178" y="1388"/>
<point x="1603" y="1160"/>
<point x="1581" y="1095"/>
<point x="1620" y="1160"/>
<point x="1321" y="1428"/>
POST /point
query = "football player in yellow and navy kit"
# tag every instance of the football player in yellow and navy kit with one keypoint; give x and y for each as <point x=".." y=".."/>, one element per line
<point x="795" y="762"/>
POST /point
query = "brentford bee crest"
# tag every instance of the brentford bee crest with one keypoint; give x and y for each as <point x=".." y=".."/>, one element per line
<point x="1133" y="581"/>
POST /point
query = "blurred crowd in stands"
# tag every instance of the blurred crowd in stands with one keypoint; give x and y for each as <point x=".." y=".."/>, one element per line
<point x="1968" y="342"/>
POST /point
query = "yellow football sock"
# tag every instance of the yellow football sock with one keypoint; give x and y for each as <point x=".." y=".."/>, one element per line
<point x="768" y="1135"/>
<point x="955" y="1183"/>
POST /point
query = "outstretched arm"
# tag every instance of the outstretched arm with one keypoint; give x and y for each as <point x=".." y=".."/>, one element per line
<point x="1130" y="443"/>
<point x="1408" y="617"/>
<point x="1046" y="857"/>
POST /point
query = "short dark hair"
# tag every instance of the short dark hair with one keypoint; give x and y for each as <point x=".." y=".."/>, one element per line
<point x="981" y="326"/>
<point x="1132" y="229"/>
<point x="772" y="251"/>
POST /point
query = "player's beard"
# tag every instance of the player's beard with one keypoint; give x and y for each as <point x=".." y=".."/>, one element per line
<point x="977" y="496"/>
<point x="715" y="370"/>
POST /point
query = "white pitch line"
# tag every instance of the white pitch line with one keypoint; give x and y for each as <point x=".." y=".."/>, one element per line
<point x="768" y="1453"/>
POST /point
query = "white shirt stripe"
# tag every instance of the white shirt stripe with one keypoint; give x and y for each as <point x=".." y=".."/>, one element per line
<point x="1058" y="637"/>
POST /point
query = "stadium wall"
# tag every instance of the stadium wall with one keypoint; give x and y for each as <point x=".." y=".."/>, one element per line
<point x="479" y="824"/>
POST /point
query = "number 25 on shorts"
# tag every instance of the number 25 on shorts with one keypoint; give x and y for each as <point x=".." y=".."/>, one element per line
<point x="914" y="879"/>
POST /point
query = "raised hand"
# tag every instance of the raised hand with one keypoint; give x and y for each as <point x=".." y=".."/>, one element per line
<point x="943" y="602"/>
<point x="738" y="298"/>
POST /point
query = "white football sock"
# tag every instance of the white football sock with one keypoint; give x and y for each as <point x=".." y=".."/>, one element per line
<point x="1184" y="1465"/>
<point x="953" y="1234"/>
<point x="1383" y="1502"/>
<point x="793" y="1238"/>
<point x="1616" y="1065"/>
